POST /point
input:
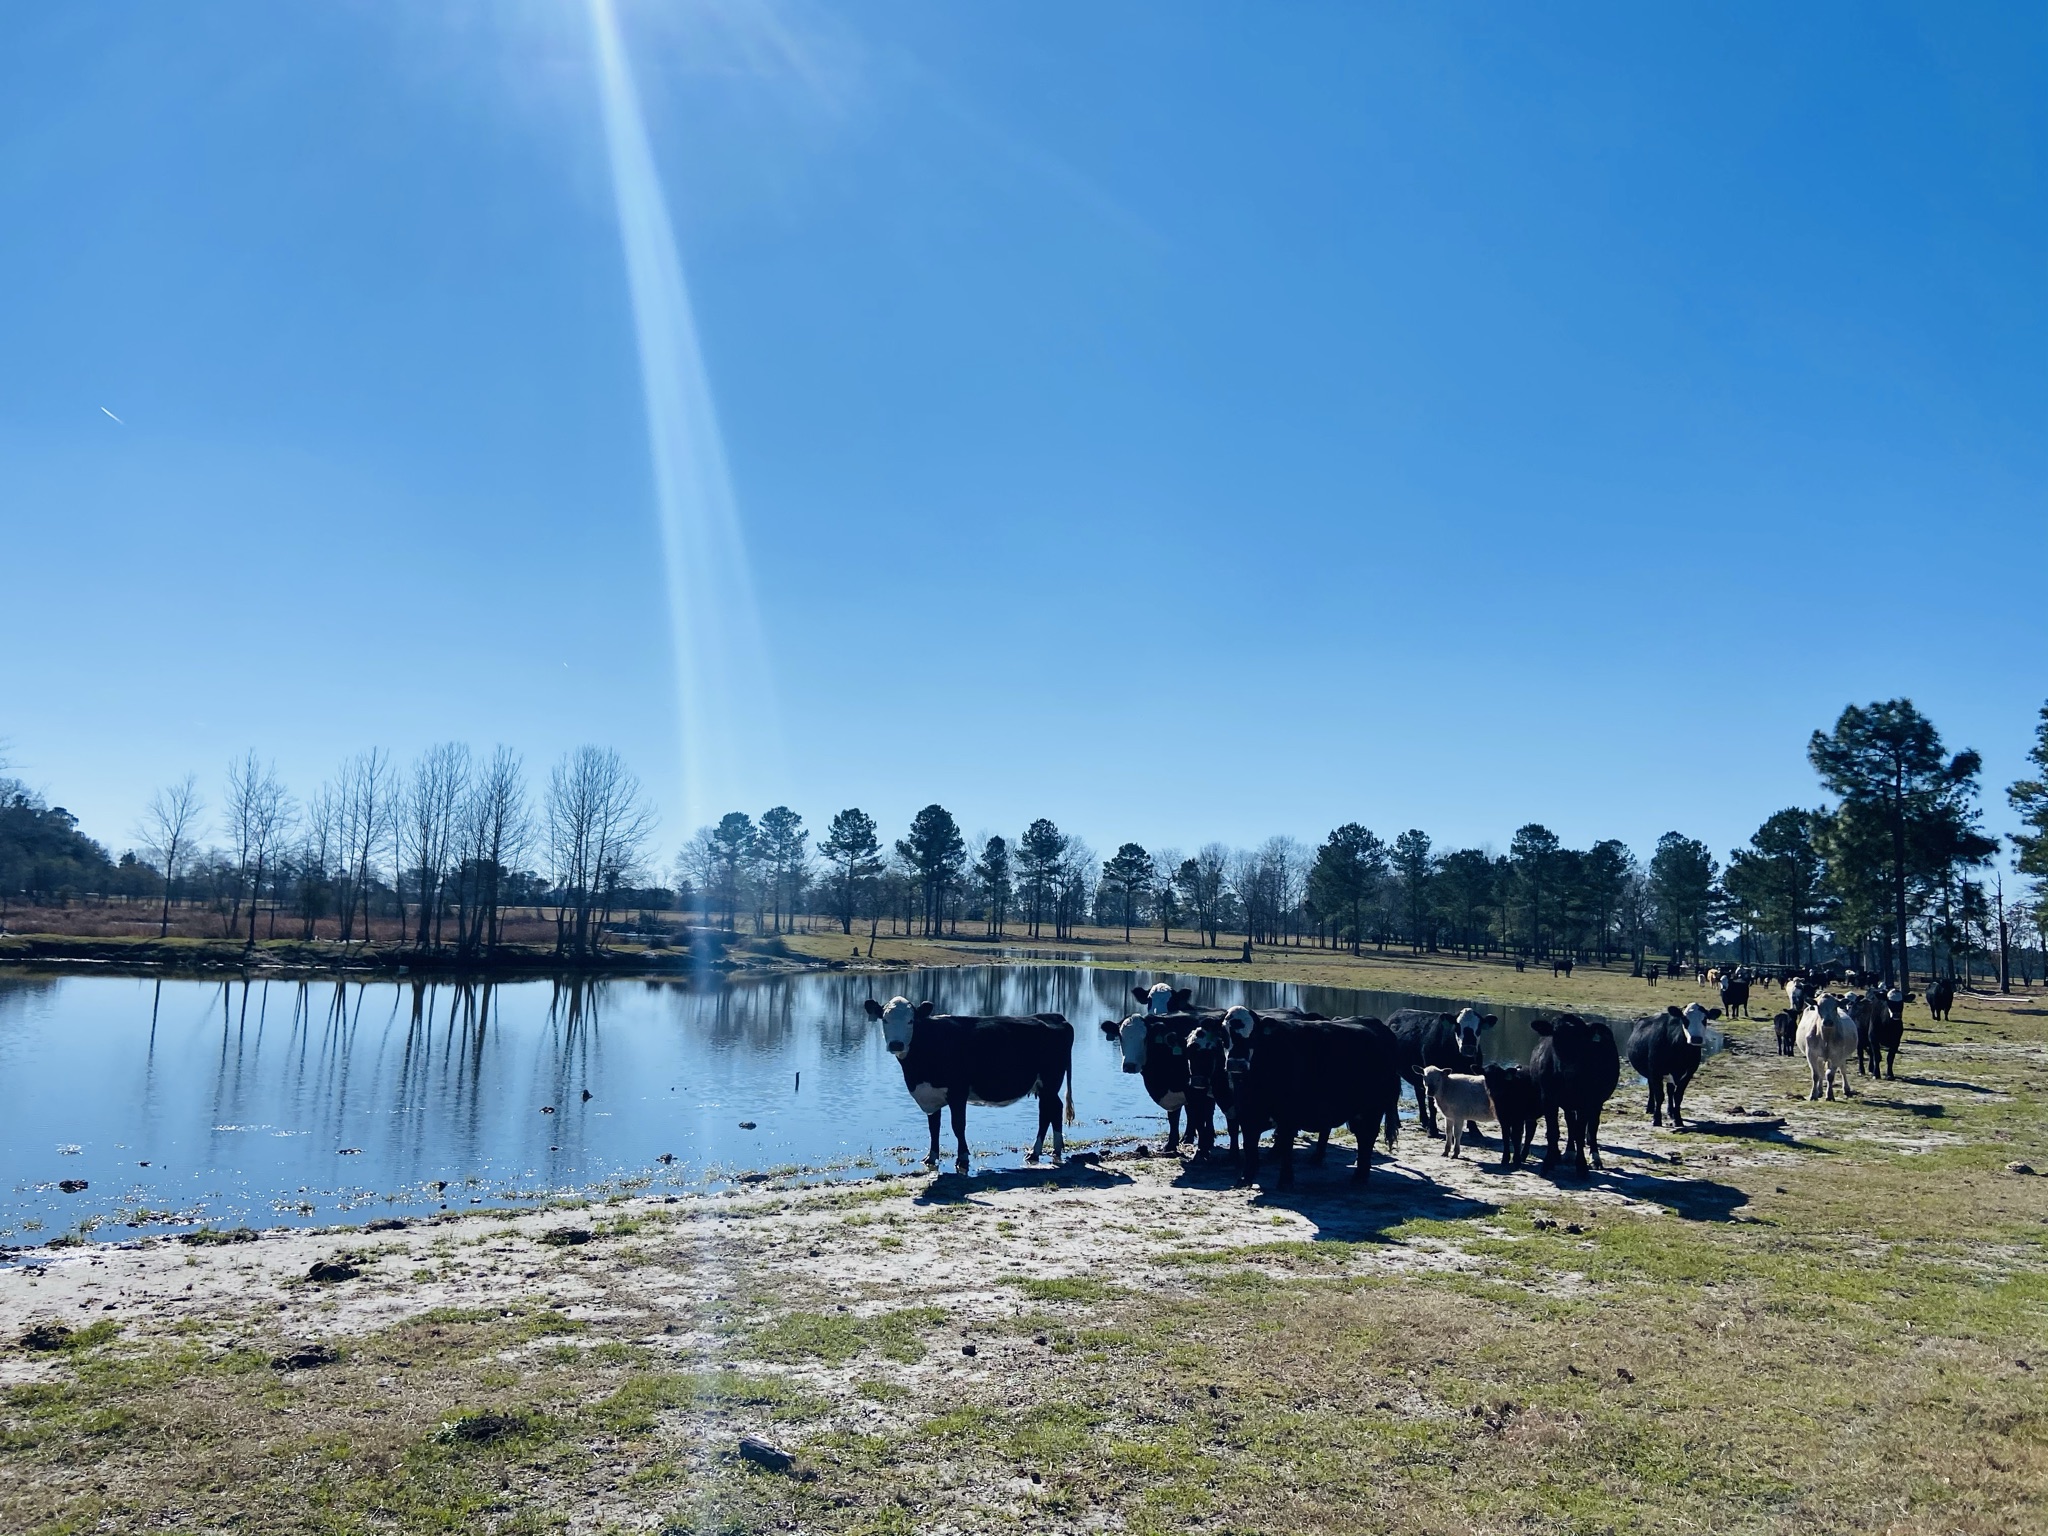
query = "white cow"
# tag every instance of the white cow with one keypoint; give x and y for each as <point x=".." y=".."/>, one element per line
<point x="1460" y="1096"/>
<point x="1827" y="1038"/>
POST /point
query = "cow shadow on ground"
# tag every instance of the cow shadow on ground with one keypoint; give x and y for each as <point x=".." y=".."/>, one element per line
<point x="1689" y="1199"/>
<point x="960" y="1188"/>
<point x="1910" y="1106"/>
<point x="1943" y="1082"/>
<point x="1770" y="1129"/>
<point x="1341" y="1209"/>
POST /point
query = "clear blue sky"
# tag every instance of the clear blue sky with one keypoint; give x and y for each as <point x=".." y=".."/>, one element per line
<point x="1186" y="421"/>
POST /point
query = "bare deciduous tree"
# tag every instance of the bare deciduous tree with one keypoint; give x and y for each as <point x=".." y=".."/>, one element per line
<point x="597" y="827"/>
<point x="168" y="824"/>
<point x="427" y="828"/>
<point x="363" y="806"/>
<point x="259" y="812"/>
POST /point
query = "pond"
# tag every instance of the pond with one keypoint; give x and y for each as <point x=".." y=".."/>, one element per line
<point x="179" y="1103"/>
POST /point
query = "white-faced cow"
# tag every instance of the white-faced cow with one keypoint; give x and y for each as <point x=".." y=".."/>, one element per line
<point x="1156" y="1045"/>
<point x="1294" y="1075"/>
<point x="1827" y="1039"/>
<point x="1429" y="1039"/>
<point x="950" y="1061"/>
<point x="1576" y="1068"/>
<point x="1666" y="1049"/>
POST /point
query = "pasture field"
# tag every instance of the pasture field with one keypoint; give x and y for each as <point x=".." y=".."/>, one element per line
<point x="1794" y="1317"/>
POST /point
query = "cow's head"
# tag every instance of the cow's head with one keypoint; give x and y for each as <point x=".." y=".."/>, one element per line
<point x="899" y="1019"/>
<point x="1134" y="1038"/>
<point x="1240" y="1024"/>
<point x="1694" y="1019"/>
<point x="1469" y="1024"/>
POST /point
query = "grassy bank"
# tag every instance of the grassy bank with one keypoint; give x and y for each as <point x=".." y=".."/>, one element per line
<point x="1795" y="1317"/>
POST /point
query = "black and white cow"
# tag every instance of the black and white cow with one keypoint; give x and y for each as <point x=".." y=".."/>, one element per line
<point x="1156" y="1046"/>
<point x="1294" y="1075"/>
<point x="1517" y="1107"/>
<point x="953" y="1060"/>
<point x="1207" y="1049"/>
<point x="1429" y="1039"/>
<point x="1941" y="996"/>
<point x="1576" y="1068"/>
<point x="1735" y="996"/>
<point x="1667" y="1049"/>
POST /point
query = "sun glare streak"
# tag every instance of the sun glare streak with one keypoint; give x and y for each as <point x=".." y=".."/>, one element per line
<point x="725" y="701"/>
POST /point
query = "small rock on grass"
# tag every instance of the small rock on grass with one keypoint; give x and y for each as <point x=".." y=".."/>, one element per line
<point x="2019" y="1167"/>
<point x="566" y="1237"/>
<point x="762" y="1454"/>
<point x="46" y="1336"/>
<point x="482" y="1428"/>
<point x="305" y="1358"/>
<point x="332" y="1271"/>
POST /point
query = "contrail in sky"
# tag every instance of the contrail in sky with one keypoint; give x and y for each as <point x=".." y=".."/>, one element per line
<point x="110" y="413"/>
<point x="725" y="699"/>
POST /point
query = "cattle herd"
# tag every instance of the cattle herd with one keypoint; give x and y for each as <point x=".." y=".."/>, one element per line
<point x="1292" y="1072"/>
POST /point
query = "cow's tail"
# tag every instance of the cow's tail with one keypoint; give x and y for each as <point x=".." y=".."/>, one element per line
<point x="1070" y="1094"/>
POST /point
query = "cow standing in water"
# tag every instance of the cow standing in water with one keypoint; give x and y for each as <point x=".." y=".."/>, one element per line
<point x="950" y="1061"/>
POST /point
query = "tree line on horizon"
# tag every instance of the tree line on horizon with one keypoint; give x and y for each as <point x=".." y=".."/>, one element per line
<point x="441" y="852"/>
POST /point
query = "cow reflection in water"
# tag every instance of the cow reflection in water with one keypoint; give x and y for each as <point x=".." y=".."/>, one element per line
<point x="952" y="1060"/>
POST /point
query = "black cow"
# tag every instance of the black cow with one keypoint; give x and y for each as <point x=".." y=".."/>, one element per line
<point x="1182" y="1066"/>
<point x="1786" y="1022"/>
<point x="1562" y="966"/>
<point x="1295" y="1075"/>
<point x="1735" y="996"/>
<point x="1888" y="1029"/>
<point x="1941" y="996"/>
<point x="1517" y="1106"/>
<point x="1666" y="1049"/>
<point x="1576" y="1069"/>
<point x="1447" y="1040"/>
<point x="951" y="1061"/>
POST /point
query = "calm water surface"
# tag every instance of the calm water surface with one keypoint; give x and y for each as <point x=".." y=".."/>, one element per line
<point x="186" y="1102"/>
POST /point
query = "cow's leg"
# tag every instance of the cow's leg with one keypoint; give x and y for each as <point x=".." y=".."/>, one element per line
<point x="1038" y="1141"/>
<point x="1813" y="1065"/>
<point x="1550" y="1139"/>
<point x="1578" y="1141"/>
<point x="1173" y="1129"/>
<point x="1283" y="1153"/>
<point x="1674" y="1095"/>
<point x="1322" y="1151"/>
<point x="1847" y="1091"/>
<point x="959" y="1108"/>
<point x="1656" y="1099"/>
<point x="931" y="1159"/>
<point x="1593" y="1134"/>
<point x="1425" y="1107"/>
<point x="1361" y="1132"/>
<point x="1248" y="1157"/>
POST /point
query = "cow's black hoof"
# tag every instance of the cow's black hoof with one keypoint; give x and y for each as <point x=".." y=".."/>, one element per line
<point x="1031" y="1157"/>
